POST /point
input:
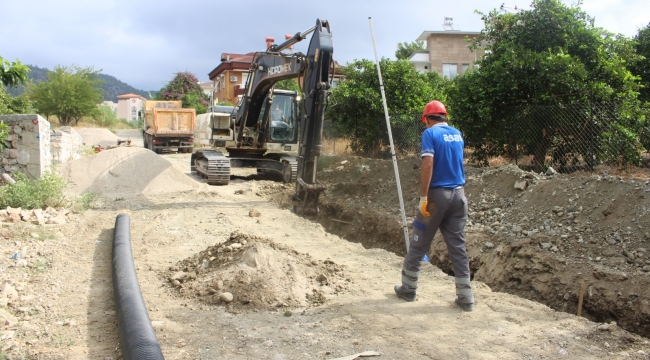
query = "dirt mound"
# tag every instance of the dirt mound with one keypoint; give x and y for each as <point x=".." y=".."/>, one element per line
<point x="98" y="136"/>
<point x="258" y="273"/>
<point x="125" y="171"/>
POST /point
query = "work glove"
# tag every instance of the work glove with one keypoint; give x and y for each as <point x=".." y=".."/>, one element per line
<point x="423" y="206"/>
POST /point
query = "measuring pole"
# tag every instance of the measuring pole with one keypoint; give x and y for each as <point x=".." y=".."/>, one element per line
<point x="390" y="138"/>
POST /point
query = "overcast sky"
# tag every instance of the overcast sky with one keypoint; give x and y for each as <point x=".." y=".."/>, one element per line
<point x="144" y="42"/>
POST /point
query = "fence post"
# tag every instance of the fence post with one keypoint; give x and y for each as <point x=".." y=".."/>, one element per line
<point x="591" y="131"/>
<point x="514" y="130"/>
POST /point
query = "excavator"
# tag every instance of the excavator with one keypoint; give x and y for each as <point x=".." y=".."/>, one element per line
<point x="272" y="130"/>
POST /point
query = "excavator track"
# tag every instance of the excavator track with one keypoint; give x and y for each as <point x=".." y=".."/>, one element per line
<point x="212" y="165"/>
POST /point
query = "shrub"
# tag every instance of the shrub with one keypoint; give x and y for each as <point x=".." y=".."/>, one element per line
<point x="33" y="194"/>
<point x="86" y="201"/>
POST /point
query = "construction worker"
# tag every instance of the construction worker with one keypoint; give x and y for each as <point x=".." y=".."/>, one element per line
<point x="442" y="205"/>
<point x="277" y="114"/>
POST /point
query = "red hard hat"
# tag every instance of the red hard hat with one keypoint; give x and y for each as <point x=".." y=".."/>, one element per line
<point x="434" y="107"/>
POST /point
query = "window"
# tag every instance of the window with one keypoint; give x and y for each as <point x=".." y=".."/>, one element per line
<point x="449" y="71"/>
<point x="465" y="68"/>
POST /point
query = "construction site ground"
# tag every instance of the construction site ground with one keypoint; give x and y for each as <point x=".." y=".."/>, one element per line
<point x="323" y="288"/>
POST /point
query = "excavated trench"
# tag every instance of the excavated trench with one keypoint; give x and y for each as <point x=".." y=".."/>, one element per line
<point x="521" y="268"/>
<point x="541" y="244"/>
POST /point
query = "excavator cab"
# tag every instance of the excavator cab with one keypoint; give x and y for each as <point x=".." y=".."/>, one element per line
<point x="283" y="117"/>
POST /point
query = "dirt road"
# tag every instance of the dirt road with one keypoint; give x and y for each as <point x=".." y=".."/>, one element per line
<point x="64" y="306"/>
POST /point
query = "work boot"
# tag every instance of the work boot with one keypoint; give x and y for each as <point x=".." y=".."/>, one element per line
<point x="465" y="307"/>
<point x="408" y="296"/>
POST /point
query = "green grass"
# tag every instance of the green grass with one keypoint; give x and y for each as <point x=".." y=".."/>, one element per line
<point x="86" y="201"/>
<point x="34" y="194"/>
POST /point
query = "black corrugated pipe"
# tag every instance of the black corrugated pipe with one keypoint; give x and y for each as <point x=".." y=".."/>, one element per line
<point x="137" y="337"/>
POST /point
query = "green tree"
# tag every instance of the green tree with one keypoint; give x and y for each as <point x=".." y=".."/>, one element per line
<point x="288" y="84"/>
<point x="641" y="67"/>
<point x="357" y="107"/>
<point x="552" y="54"/>
<point x="12" y="74"/>
<point x="70" y="93"/>
<point x="405" y="49"/>
<point x="14" y="105"/>
<point x="185" y="87"/>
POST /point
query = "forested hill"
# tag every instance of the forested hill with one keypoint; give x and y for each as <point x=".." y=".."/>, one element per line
<point x="112" y="86"/>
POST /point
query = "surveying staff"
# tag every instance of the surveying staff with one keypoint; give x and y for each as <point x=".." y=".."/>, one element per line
<point x="442" y="205"/>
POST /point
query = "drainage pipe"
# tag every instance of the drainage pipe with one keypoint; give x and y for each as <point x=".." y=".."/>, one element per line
<point x="137" y="337"/>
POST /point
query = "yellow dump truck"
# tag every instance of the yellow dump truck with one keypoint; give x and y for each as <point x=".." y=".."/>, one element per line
<point x="167" y="126"/>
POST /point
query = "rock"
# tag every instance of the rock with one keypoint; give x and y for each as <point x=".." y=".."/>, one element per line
<point x="558" y="209"/>
<point x="235" y="245"/>
<point x="604" y="327"/>
<point x="218" y="284"/>
<point x="344" y="162"/>
<point x="521" y="185"/>
<point x="609" y="252"/>
<point x="7" y="290"/>
<point x="6" y="319"/>
<point x="322" y="278"/>
<point x="550" y="171"/>
<point x="254" y="213"/>
<point x="546" y="246"/>
<point x="25" y="215"/>
<point x="288" y="313"/>
<point x="39" y="216"/>
<point x="226" y="297"/>
<point x="489" y="245"/>
<point x="180" y="275"/>
<point x="517" y="229"/>
<point x="628" y="254"/>
<point x="562" y="352"/>
<point x="56" y="221"/>
<point x="554" y="249"/>
<point x="7" y="178"/>
<point x="11" y="210"/>
<point x="21" y="263"/>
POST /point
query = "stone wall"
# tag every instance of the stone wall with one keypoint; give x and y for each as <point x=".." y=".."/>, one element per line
<point x="27" y="145"/>
<point x="67" y="145"/>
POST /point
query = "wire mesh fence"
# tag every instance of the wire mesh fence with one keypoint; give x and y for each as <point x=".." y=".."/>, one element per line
<point x="566" y="137"/>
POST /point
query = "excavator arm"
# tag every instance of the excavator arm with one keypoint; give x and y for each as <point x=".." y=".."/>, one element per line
<point x="313" y="73"/>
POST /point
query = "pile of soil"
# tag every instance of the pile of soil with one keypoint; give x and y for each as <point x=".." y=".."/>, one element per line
<point x="98" y="136"/>
<point x="252" y="272"/>
<point x="125" y="171"/>
<point x="540" y="243"/>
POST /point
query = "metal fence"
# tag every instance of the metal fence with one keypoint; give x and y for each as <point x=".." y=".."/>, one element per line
<point x="565" y="137"/>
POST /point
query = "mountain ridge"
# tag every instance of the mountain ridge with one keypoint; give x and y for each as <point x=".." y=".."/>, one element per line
<point x="112" y="86"/>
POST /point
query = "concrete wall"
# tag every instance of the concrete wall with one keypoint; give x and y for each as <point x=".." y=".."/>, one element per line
<point x="67" y="145"/>
<point x="27" y="145"/>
